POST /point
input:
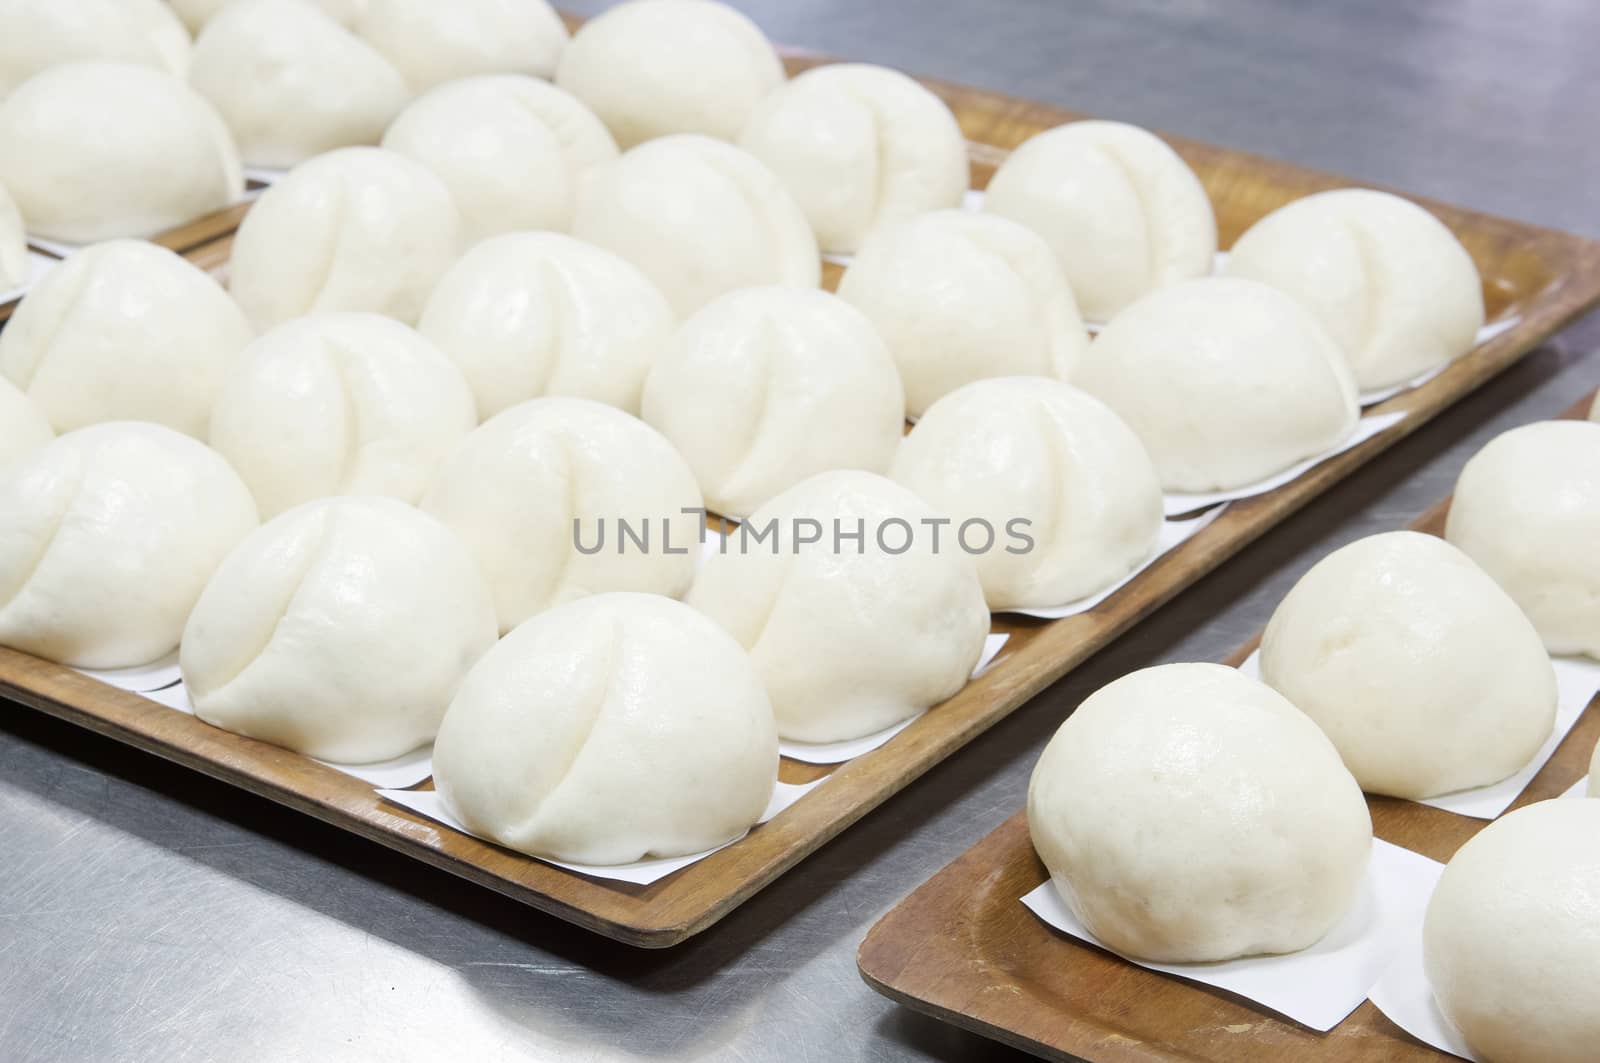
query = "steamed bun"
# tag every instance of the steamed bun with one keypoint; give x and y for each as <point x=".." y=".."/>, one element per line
<point x="107" y="536"/>
<point x="531" y="314"/>
<point x="1511" y="940"/>
<point x="1122" y="211"/>
<point x="292" y="83"/>
<point x="355" y="229"/>
<point x="650" y="68"/>
<point x="13" y="244"/>
<point x="1226" y="381"/>
<point x="608" y="730"/>
<point x="511" y="149"/>
<point x="1189" y="814"/>
<point x="196" y="13"/>
<point x="1527" y="510"/>
<point x="859" y="146"/>
<point x="1060" y="488"/>
<point x="1424" y="673"/>
<point x="341" y="630"/>
<point x="340" y="404"/>
<point x="960" y="297"/>
<point x="1389" y="282"/>
<point x="124" y="330"/>
<point x="767" y="386"/>
<point x="533" y="484"/>
<point x="432" y="42"/>
<point x="849" y="636"/>
<point x="92" y="151"/>
<point x="23" y="426"/>
<point x="38" y="34"/>
<point x="700" y="217"/>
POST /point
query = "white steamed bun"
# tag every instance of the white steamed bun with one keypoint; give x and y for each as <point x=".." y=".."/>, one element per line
<point x="107" y="536"/>
<point x="960" y="297"/>
<point x="1227" y="382"/>
<point x="196" y="13"/>
<point x="432" y="42"/>
<point x="531" y="314"/>
<point x="23" y="426"/>
<point x="340" y="404"/>
<point x="1527" y="510"/>
<point x="340" y="629"/>
<point x="767" y="386"/>
<point x="1511" y="939"/>
<point x="291" y="82"/>
<point x="510" y="148"/>
<point x="124" y="330"/>
<point x="650" y="68"/>
<point x="607" y="730"/>
<point x="1124" y="214"/>
<point x="859" y="146"/>
<point x="92" y="151"/>
<point x="38" y="34"/>
<point x="849" y="635"/>
<point x="354" y="229"/>
<point x="531" y="485"/>
<point x="699" y="217"/>
<point x="1057" y="485"/>
<point x="13" y="244"/>
<point x="1189" y="814"/>
<point x="1389" y="282"/>
<point x="1424" y="673"/>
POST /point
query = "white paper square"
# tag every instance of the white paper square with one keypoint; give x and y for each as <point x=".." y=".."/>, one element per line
<point x="141" y="678"/>
<point x="851" y="748"/>
<point x="1173" y="534"/>
<point x="1579" y="789"/>
<point x="1577" y="680"/>
<point x="1316" y="987"/>
<point x="38" y="264"/>
<point x="1177" y="503"/>
<point x="1406" y="997"/>
<point x="427" y="803"/>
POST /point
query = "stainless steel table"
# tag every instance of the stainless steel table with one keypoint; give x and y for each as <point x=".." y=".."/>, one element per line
<point x="148" y="913"/>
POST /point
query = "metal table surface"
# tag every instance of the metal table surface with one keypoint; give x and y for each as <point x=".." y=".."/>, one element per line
<point x="149" y="913"/>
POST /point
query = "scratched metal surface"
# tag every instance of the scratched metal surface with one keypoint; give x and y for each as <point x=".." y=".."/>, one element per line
<point x="148" y="914"/>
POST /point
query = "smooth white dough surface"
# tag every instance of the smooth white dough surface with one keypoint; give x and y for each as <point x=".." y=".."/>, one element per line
<point x="960" y="297"/>
<point x="196" y="13"/>
<point x="849" y="637"/>
<point x="1227" y="381"/>
<point x="23" y="426"/>
<point x="699" y="217"/>
<point x="607" y="730"/>
<point x="38" y="34"/>
<point x="537" y="313"/>
<point x="432" y="42"/>
<point x="765" y="387"/>
<point x="340" y="629"/>
<point x="107" y="536"/>
<point x="650" y="68"/>
<point x="1424" y="673"/>
<point x="354" y="229"/>
<point x="291" y="82"/>
<point x="1386" y="278"/>
<point x="510" y="148"/>
<point x="533" y="483"/>
<point x="340" y="404"/>
<point x="1188" y="814"/>
<point x="859" y="146"/>
<point x="1041" y="452"/>
<point x="13" y="244"/>
<point x="1124" y="214"/>
<point x="124" y="330"/>
<point x="92" y="151"/>
<point x="1511" y="941"/>
<point x="1527" y="510"/>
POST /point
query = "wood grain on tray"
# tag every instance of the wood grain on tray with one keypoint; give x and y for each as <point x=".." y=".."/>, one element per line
<point x="1543" y="278"/>
<point x="963" y="948"/>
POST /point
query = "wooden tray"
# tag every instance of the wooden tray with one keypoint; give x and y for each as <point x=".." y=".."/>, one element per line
<point x="962" y="948"/>
<point x="1547" y="278"/>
